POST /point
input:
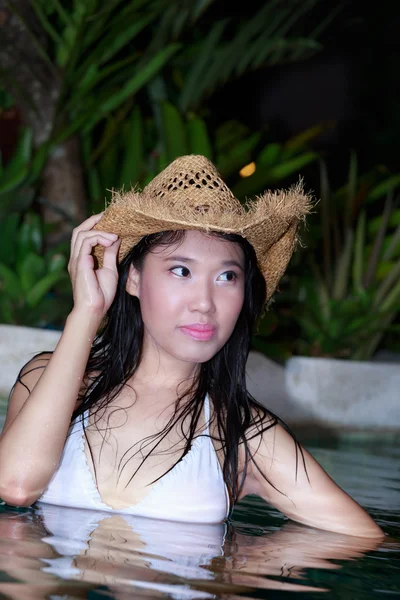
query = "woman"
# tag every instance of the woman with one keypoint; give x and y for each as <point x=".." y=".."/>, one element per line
<point x="162" y="424"/>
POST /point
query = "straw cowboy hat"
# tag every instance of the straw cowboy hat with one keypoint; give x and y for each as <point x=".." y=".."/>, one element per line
<point x="190" y="194"/>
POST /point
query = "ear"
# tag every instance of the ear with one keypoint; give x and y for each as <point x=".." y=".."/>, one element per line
<point x="132" y="283"/>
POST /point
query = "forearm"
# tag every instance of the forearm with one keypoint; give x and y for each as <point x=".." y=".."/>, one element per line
<point x="337" y="513"/>
<point x="30" y="448"/>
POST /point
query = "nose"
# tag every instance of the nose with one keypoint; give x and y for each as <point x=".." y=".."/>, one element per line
<point x="202" y="297"/>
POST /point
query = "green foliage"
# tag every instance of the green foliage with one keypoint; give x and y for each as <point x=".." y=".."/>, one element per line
<point x="141" y="147"/>
<point x="34" y="285"/>
<point x="98" y="51"/>
<point x="350" y="288"/>
<point x="229" y="50"/>
<point x="110" y="63"/>
<point x="15" y="194"/>
<point x="277" y="162"/>
<point x="102" y="55"/>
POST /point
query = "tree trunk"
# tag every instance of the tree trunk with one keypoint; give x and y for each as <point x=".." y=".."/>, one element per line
<point x="35" y="84"/>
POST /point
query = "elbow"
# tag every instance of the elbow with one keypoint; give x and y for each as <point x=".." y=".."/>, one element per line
<point x="18" y="496"/>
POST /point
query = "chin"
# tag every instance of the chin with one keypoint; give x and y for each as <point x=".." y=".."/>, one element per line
<point x="202" y="355"/>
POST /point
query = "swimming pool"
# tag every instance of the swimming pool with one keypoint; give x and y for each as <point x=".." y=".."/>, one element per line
<point x="60" y="553"/>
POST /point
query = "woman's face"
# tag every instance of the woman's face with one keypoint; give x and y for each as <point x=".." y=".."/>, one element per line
<point x="191" y="295"/>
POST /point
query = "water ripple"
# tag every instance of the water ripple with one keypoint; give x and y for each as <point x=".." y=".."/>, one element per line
<point x="62" y="553"/>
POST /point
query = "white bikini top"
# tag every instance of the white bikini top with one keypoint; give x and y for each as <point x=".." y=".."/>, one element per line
<point x="193" y="491"/>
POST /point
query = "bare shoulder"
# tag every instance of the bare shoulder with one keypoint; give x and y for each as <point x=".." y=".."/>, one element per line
<point x="268" y="435"/>
<point x="275" y="455"/>
<point x="26" y="382"/>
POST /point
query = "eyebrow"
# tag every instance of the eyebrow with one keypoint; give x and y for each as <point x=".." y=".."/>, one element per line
<point x="224" y="263"/>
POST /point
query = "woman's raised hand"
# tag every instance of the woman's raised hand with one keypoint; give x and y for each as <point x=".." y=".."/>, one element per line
<point x="93" y="290"/>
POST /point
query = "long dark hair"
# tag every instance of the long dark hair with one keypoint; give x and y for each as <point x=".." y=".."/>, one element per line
<point x="116" y="353"/>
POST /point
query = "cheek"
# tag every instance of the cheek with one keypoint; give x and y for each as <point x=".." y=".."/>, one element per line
<point x="230" y="306"/>
<point x="159" y="301"/>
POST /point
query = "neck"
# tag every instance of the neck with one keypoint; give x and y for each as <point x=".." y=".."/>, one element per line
<point x="158" y="371"/>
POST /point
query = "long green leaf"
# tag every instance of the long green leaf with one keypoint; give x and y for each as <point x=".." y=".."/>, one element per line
<point x="63" y="14"/>
<point x="109" y="167"/>
<point x="76" y="37"/>
<point x="30" y="239"/>
<point x="31" y="270"/>
<point x="193" y="78"/>
<point x="45" y="23"/>
<point x="17" y="169"/>
<point x="387" y="284"/>
<point x="37" y="163"/>
<point x="325" y="223"/>
<point x="341" y="279"/>
<point x="73" y="36"/>
<point x="359" y="250"/>
<point x="173" y="131"/>
<point x="200" y="6"/>
<point x="131" y="87"/>
<point x="255" y="183"/>
<point x="57" y="263"/>
<point x="102" y="18"/>
<point x="199" y="140"/>
<point x="393" y="246"/>
<point x="351" y="193"/>
<point x="133" y="158"/>
<point x="269" y="155"/>
<point x="377" y="246"/>
<point x="110" y="132"/>
<point x="42" y="287"/>
<point x="392" y="300"/>
<point x="9" y="283"/>
<point x="300" y="141"/>
<point x="383" y="188"/>
<point x="366" y="351"/>
<point x="8" y="236"/>
<point x="238" y="155"/>
<point x="115" y="41"/>
<point x="180" y="21"/>
<point x="321" y="291"/>
<point x="94" y="78"/>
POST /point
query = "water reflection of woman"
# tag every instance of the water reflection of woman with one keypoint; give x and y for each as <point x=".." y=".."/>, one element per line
<point x="150" y="367"/>
<point x="89" y="549"/>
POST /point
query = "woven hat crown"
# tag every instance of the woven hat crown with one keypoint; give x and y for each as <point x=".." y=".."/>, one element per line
<point x="194" y="183"/>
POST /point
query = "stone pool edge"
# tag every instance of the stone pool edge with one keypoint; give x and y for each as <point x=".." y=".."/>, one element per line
<point x="331" y="393"/>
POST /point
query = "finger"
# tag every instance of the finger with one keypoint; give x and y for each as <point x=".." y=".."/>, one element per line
<point x="82" y="235"/>
<point x="86" y="247"/>
<point x="86" y="225"/>
<point x="110" y="256"/>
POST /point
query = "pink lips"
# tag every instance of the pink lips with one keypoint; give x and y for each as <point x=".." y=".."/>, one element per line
<point x="198" y="331"/>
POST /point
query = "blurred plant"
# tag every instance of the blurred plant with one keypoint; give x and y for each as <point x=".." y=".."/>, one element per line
<point x="34" y="285"/>
<point x="231" y="47"/>
<point x="350" y="288"/>
<point x="278" y="162"/>
<point x="139" y="148"/>
<point x="142" y="147"/>
<point x="76" y="68"/>
<point x="17" y="177"/>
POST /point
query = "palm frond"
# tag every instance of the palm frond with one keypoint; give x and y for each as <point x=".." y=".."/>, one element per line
<point x="267" y="38"/>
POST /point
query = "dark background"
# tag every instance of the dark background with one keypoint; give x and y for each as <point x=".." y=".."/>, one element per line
<point x="352" y="85"/>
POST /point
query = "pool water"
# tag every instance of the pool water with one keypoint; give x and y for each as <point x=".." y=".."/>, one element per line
<point x="61" y="554"/>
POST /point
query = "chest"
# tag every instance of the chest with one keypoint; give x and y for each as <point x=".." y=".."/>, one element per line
<point x="129" y="450"/>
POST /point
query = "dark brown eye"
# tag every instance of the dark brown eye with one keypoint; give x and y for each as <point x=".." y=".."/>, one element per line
<point x="184" y="271"/>
<point x="230" y="276"/>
